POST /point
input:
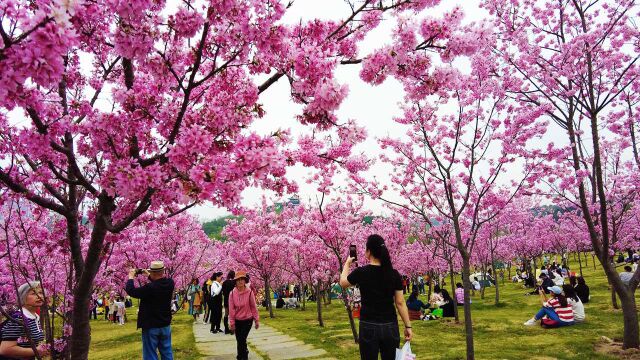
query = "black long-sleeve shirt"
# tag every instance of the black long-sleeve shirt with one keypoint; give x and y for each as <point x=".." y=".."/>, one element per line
<point x="155" y="302"/>
<point x="227" y="286"/>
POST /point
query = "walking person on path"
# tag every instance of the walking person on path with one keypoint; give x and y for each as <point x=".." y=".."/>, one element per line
<point x="154" y="315"/>
<point x="380" y="287"/>
<point x="206" y="300"/>
<point x="193" y="292"/>
<point x="242" y="313"/>
<point x="215" y="302"/>
<point x="227" y="286"/>
<point x="23" y="325"/>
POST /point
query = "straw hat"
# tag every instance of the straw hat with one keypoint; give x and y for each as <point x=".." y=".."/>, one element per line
<point x="156" y="266"/>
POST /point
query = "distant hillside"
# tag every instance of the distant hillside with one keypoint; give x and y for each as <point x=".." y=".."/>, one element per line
<point x="213" y="228"/>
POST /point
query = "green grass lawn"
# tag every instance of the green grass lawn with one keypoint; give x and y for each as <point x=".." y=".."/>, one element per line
<point x="115" y="342"/>
<point x="498" y="331"/>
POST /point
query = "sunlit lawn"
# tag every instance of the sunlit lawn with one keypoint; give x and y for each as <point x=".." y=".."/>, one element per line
<point x="499" y="332"/>
<point x="115" y="342"/>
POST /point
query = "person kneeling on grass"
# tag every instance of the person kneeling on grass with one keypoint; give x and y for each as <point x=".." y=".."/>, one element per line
<point x="556" y="312"/>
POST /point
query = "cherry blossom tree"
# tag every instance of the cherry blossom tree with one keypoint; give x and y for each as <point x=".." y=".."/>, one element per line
<point x="32" y="247"/>
<point x="577" y="60"/>
<point x="111" y="109"/>
<point x="461" y="135"/>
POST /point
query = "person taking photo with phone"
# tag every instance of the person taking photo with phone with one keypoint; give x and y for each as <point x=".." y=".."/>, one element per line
<point x="380" y="288"/>
<point x="154" y="315"/>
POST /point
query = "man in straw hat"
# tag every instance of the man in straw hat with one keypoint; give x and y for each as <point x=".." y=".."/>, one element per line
<point x="154" y="316"/>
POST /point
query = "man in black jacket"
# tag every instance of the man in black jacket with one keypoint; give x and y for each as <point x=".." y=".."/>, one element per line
<point x="227" y="286"/>
<point x="154" y="315"/>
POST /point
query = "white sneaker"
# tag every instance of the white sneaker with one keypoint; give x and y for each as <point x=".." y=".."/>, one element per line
<point x="530" y="322"/>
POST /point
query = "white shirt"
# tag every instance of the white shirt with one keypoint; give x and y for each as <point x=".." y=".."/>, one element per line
<point x="578" y="309"/>
<point x="626" y="277"/>
<point x="216" y="288"/>
<point x="476" y="284"/>
<point x="558" y="280"/>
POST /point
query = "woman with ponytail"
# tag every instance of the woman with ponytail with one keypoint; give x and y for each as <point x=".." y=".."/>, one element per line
<point x="380" y="287"/>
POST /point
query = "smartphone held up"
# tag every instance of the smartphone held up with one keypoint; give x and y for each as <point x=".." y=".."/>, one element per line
<point x="353" y="252"/>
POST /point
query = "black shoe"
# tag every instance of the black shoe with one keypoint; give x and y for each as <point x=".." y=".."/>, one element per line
<point x="220" y="331"/>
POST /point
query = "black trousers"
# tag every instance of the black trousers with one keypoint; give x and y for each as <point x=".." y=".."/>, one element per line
<point x="380" y="339"/>
<point x="242" y="332"/>
<point x="216" y="316"/>
<point x="207" y="313"/>
<point x="226" y="319"/>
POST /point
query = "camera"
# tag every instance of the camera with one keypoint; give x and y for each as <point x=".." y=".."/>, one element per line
<point x="139" y="271"/>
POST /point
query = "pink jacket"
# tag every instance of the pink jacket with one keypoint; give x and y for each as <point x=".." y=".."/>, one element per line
<point x="242" y="306"/>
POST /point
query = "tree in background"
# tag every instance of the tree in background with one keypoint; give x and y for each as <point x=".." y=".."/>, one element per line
<point x="138" y="106"/>
<point x="461" y="135"/>
<point x="578" y="62"/>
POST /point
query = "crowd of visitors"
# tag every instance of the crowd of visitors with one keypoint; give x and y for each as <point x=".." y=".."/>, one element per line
<point x="379" y="289"/>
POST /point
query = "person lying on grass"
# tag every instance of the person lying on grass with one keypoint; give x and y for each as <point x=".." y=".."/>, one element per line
<point x="555" y="312"/>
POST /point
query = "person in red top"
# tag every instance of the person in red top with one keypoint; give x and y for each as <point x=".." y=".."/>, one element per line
<point x="556" y="312"/>
<point x="242" y="313"/>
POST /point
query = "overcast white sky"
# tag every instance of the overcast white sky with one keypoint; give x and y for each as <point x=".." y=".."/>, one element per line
<point x="371" y="107"/>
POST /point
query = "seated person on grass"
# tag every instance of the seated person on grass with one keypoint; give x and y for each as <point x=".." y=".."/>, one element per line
<point x="436" y="298"/>
<point x="545" y="284"/>
<point x="459" y="294"/>
<point x="556" y="312"/>
<point x="576" y="304"/>
<point x="447" y="306"/>
<point x="626" y="275"/>
<point x="415" y="306"/>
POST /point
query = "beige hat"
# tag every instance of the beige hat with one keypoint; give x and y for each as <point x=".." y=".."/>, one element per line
<point x="156" y="266"/>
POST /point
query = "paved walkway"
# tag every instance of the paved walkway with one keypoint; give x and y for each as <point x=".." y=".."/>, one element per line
<point x="265" y="343"/>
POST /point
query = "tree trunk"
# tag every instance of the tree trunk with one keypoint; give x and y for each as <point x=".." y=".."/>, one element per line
<point x="593" y="260"/>
<point x="267" y="293"/>
<point x="430" y="285"/>
<point x="579" y="262"/>
<point x="80" y="339"/>
<point x="631" y="334"/>
<point x="484" y="272"/>
<point x="614" y="299"/>
<point x="453" y="292"/>
<point x="319" y="305"/>
<point x="304" y="298"/>
<point x="493" y="270"/>
<point x="468" y="325"/>
<point x="352" y="323"/>
<point x="630" y="315"/>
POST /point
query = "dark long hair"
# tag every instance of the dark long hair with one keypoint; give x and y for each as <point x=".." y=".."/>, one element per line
<point x="446" y="296"/>
<point x="562" y="299"/>
<point x="570" y="292"/>
<point x="377" y="248"/>
<point x="413" y="296"/>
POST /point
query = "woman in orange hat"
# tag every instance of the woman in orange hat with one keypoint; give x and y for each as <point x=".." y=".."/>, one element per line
<point x="242" y="313"/>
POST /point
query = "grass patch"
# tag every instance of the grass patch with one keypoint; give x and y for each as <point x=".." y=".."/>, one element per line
<point x="498" y="330"/>
<point x="115" y="342"/>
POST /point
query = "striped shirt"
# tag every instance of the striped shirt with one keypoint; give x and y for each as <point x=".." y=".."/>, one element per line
<point x="565" y="313"/>
<point x="15" y="331"/>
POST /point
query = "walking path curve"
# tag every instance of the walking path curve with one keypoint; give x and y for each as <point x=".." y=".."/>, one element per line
<point x="265" y="343"/>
